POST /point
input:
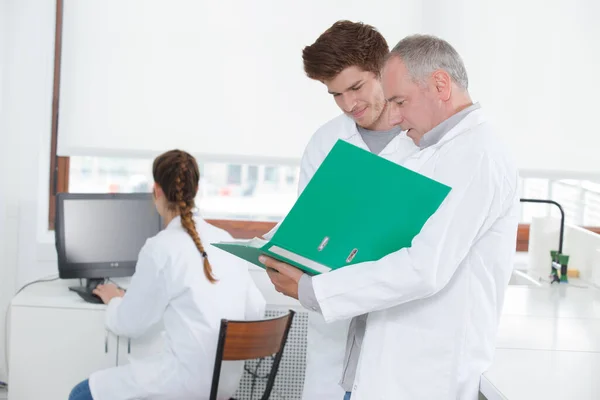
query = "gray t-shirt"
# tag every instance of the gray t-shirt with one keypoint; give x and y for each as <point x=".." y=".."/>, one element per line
<point x="377" y="140"/>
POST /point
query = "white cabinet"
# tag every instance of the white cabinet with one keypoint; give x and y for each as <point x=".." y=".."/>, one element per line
<point x="51" y="350"/>
<point x="57" y="340"/>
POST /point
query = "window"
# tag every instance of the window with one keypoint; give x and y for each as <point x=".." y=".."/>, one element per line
<point x="568" y="195"/>
<point x="580" y="200"/>
<point x="291" y="174"/>
<point x="59" y="166"/>
<point x="591" y="200"/>
<point x="234" y="174"/>
<point x="533" y="188"/>
<point x="227" y="191"/>
<point x="271" y="174"/>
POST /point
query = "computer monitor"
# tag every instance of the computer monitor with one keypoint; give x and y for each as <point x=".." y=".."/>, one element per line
<point x="99" y="236"/>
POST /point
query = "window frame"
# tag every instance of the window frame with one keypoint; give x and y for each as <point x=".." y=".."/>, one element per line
<point x="59" y="166"/>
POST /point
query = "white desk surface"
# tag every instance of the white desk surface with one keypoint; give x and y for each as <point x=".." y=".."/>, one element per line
<point x="56" y="294"/>
<point x="548" y="345"/>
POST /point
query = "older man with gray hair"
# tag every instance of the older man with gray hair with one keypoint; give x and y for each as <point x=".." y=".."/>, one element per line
<point x="433" y="308"/>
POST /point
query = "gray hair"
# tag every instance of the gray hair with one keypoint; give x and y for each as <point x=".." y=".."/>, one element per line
<point x="424" y="54"/>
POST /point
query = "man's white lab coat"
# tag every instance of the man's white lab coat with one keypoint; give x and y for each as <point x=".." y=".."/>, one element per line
<point x="433" y="308"/>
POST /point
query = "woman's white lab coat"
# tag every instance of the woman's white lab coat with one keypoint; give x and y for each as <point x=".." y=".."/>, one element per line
<point x="434" y="307"/>
<point x="169" y="287"/>
<point x="326" y="342"/>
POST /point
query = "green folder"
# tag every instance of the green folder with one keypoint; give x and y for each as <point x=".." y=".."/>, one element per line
<point x="357" y="207"/>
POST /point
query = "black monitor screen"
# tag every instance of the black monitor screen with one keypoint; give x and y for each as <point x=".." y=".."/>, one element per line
<point x="101" y="235"/>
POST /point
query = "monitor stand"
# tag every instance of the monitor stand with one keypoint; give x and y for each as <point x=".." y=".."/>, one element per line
<point x="85" y="292"/>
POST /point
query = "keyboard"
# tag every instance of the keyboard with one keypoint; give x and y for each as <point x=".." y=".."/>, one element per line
<point x="86" y="294"/>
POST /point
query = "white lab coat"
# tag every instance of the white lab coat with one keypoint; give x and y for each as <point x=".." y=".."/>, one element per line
<point x="326" y="342"/>
<point x="434" y="307"/>
<point x="169" y="286"/>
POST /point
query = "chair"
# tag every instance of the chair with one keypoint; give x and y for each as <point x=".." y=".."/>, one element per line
<point x="247" y="340"/>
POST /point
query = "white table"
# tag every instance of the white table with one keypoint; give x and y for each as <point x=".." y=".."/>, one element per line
<point x="50" y="325"/>
<point x="548" y="345"/>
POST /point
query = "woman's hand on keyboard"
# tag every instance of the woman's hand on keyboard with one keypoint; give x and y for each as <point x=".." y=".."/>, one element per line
<point x="108" y="292"/>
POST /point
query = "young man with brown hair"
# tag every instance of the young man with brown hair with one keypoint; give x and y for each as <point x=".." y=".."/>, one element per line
<point x="347" y="59"/>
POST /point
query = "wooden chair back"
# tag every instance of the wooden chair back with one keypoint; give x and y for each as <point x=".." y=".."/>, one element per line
<point x="248" y="340"/>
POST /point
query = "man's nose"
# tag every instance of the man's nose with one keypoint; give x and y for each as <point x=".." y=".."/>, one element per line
<point x="349" y="102"/>
<point x="395" y="116"/>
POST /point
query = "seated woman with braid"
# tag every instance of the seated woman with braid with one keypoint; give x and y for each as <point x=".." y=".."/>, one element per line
<point x="189" y="286"/>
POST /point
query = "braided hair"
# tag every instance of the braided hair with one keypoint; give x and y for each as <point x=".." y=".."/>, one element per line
<point x="177" y="173"/>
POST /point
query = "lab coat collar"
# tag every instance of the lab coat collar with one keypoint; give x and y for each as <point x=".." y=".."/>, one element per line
<point x="467" y="124"/>
<point x="472" y="119"/>
<point x="437" y="133"/>
<point x="176" y="222"/>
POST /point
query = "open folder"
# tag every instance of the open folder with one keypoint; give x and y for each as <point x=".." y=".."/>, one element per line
<point x="357" y="207"/>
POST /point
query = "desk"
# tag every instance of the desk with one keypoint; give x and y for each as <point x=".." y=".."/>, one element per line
<point x="57" y="339"/>
<point x="548" y="345"/>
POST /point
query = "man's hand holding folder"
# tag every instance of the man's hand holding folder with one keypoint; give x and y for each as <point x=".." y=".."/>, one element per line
<point x="285" y="277"/>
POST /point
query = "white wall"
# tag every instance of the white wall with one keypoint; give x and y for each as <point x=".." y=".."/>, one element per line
<point x="25" y="119"/>
<point x="531" y="64"/>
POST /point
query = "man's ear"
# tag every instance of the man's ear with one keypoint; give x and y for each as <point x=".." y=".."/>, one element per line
<point x="443" y="84"/>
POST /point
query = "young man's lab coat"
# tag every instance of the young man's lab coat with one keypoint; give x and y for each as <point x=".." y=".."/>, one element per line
<point x="169" y="286"/>
<point x="433" y="308"/>
<point x="326" y="342"/>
